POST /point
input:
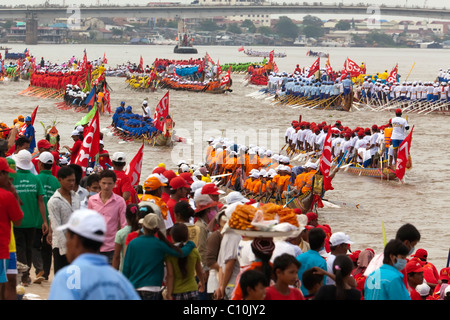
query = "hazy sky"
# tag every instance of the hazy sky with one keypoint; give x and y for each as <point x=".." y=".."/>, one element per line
<point x="427" y="3"/>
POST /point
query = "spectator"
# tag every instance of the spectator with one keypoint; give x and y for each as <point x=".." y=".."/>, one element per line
<point x="285" y="269"/>
<point x="60" y="207"/>
<point x="31" y="193"/>
<point x="182" y="273"/>
<point x="312" y="258"/>
<point x="112" y="207"/>
<point x="144" y="258"/>
<point x="42" y="251"/>
<point x="386" y="282"/>
<point x="96" y="280"/>
<point x="10" y="214"/>
<point x="252" y="283"/>
<point x="343" y="288"/>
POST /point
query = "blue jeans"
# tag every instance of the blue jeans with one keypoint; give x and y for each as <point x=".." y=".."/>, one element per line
<point x="150" y="295"/>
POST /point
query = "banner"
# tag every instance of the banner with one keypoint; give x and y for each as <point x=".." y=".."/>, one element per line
<point x="90" y="99"/>
<point x="134" y="168"/>
<point x="325" y="162"/>
<point x="208" y="58"/>
<point x="226" y="78"/>
<point x="314" y="68"/>
<point x="161" y="112"/>
<point x="393" y="75"/>
<point x="402" y="156"/>
<point x="353" y="69"/>
<point x="329" y="69"/>
<point x="88" y="117"/>
<point x="91" y="144"/>
<point x="219" y="68"/>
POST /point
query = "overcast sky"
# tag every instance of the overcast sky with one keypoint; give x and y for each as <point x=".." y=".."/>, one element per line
<point x="427" y="3"/>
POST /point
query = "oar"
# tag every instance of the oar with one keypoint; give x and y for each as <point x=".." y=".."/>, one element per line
<point x="344" y="204"/>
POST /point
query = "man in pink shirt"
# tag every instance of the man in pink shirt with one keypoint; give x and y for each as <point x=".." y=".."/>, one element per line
<point x="112" y="207"/>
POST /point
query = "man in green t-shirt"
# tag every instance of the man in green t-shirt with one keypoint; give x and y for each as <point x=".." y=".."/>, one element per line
<point x="31" y="193"/>
<point x="42" y="250"/>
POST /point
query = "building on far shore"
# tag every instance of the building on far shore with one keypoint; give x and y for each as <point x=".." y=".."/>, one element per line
<point x="259" y="20"/>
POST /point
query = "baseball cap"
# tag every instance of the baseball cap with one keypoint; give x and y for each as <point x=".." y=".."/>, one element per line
<point x="422" y="254"/>
<point x="87" y="223"/>
<point x="4" y="166"/>
<point x="338" y="238"/>
<point x="197" y="185"/>
<point x="178" y="182"/>
<point x="169" y="174"/>
<point x="211" y="188"/>
<point x="423" y="289"/>
<point x="28" y="118"/>
<point x="235" y="196"/>
<point x="44" y="144"/>
<point x="153" y="183"/>
<point x="23" y="160"/>
<point x="118" y="157"/>
<point x="159" y="170"/>
<point x="187" y="176"/>
<point x="75" y="133"/>
<point x="414" y="266"/>
<point x="46" y="157"/>
<point x="150" y="221"/>
<point x="443" y="274"/>
<point x="398" y="110"/>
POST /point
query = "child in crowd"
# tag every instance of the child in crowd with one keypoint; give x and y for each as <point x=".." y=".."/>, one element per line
<point x="285" y="268"/>
<point x="181" y="281"/>
<point x="131" y="215"/>
<point x="252" y="283"/>
<point x="341" y="290"/>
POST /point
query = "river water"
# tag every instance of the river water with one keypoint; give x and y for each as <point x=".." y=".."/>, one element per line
<point x="421" y="200"/>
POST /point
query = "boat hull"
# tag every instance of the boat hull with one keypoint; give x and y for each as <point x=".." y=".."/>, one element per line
<point x="185" y="50"/>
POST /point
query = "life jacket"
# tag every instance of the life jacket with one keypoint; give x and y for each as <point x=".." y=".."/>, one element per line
<point x="387" y="137"/>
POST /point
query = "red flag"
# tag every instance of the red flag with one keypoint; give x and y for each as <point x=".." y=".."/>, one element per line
<point x="108" y="100"/>
<point x="325" y="162"/>
<point x="33" y="115"/>
<point x="275" y="68"/>
<point x="329" y="69"/>
<point x="84" y="63"/>
<point x="393" y="75"/>
<point x="219" y="68"/>
<point x="271" y="54"/>
<point x="314" y="68"/>
<point x="344" y="72"/>
<point x="352" y="68"/>
<point x="104" y="61"/>
<point x="91" y="142"/>
<point x="161" y="112"/>
<point x="403" y="156"/>
<point x="241" y="49"/>
<point x="226" y="78"/>
<point x="24" y="126"/>
<point x="141" y="64"/>
<point x="209" y="58"/>
<point x="133" y="170"/>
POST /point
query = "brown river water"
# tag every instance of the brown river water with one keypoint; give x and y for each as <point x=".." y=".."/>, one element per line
<point x="420" y="200"/>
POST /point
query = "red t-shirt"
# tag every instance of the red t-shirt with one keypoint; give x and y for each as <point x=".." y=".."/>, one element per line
<point x="123" y="183"/>
<point x="74" y="151"/>
<point x="9" y="211"/>
<point x="132" y="235"/>
<point x="273" y="294"/>
<point x="171" y="205"/>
